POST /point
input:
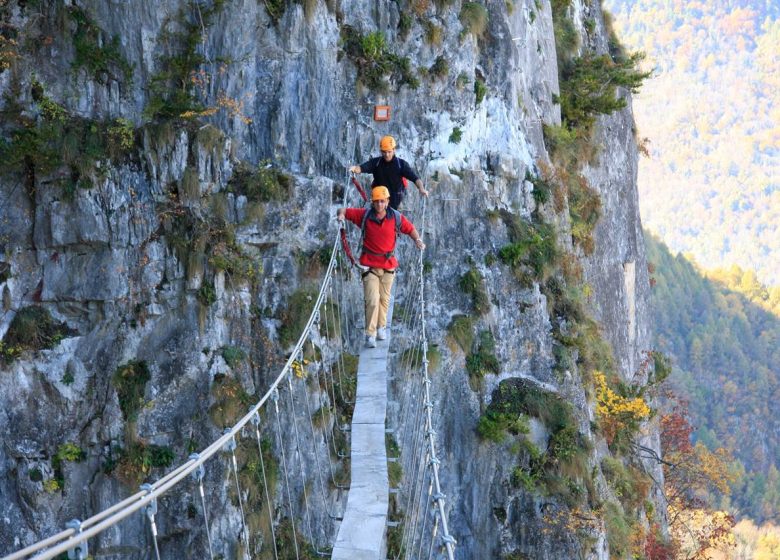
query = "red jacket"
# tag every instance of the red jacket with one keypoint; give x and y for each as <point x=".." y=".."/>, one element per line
<point x="379" y="237"/>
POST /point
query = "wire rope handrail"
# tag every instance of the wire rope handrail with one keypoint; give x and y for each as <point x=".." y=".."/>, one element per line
<point x="80" y="532"/>
<point x="430" y="434"/>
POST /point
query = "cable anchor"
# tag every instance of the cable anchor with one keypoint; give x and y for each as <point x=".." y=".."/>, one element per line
<point x="81" y="550"/>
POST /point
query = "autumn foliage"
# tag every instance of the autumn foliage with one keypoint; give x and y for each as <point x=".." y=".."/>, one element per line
<point x="692" y="473"/>
<point x="617" y="414"/>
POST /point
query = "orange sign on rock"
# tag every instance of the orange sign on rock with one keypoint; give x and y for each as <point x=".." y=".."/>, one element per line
<point x="382" y="112"/>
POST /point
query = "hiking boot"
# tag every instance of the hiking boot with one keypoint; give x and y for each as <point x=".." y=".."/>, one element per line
<point x="370" y="342"/>
<point x="381" y="333"/>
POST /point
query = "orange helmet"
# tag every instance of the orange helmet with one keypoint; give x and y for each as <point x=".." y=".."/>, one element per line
<point x="387" y="143"/>
<point x="379" y="193"/>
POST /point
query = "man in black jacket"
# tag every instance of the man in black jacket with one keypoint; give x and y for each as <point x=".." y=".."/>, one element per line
<point x="390" y="171"/>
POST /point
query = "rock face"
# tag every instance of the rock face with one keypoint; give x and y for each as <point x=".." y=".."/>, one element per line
<point x="283" y="88"/>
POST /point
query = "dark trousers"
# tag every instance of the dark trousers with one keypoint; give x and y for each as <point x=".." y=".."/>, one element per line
<point x="396" y="198"/>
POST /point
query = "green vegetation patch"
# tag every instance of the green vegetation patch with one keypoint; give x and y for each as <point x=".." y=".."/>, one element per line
<point x="588" y="87"/>
<point x="532" y="246"/>
<point x="263" y="183"/>
<point x="619" y="528"/>
<point x="94" y="52"/>
<point x="375" y="63"/>
<point x="174" y="90"/>
<point x="480" y="90"/>
<point x="201" y="238"/>
<point x="542" y="188"/>
<point x="233" y="356"/>
<point x="474" y="18"/>
<point x="135" y="461"/>
<point x="231" y="400"/>
<point x="295" y="316"/>
<point x="473" y="284"/>
<point x="130" y="382"/>
<point x="63" y="145"/>
<point x="255" y="474"/>
<point x="69" y="452"/>
<point x="566" y="38"/>
<point x="562" y="468"/>
<point x="413" y="358"/>
<point x="483" y="359"/>
<point x="515" y="397"/>
<point x="629" y="483"/>
<point x="461" y="329"/>
<point x="345" y="387"/>
<point x="275" y="8"/>
<point x="440" y="68"/>
<point x="32" y="328"/>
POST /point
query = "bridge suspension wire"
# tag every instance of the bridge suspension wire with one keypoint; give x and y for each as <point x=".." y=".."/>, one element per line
<point x="145" y="501"/>
<point x="425" y="529"/>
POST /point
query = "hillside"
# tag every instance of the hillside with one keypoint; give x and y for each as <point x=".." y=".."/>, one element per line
<point x="711" y="114"/>
<point x="722" y="330"/>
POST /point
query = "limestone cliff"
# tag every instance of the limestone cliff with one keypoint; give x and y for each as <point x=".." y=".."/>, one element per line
<point x="169" y="169"/>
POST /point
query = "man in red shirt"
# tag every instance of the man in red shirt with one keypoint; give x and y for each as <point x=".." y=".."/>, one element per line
<point x="381" y="225"/>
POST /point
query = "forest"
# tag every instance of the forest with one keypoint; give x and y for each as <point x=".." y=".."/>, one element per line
<point x="709" y="121"/>
<point x="721" y="330"/>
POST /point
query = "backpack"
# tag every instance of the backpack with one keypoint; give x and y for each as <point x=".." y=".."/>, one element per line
<point x="396" y="216"/>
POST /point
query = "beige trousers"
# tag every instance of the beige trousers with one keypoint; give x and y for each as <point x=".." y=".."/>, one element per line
<point x="377" y="283"/>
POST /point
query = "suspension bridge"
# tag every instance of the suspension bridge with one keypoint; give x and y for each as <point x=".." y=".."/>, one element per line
<point x="336" y="481"/>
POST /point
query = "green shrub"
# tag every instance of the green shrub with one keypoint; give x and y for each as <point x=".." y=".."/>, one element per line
<point x="474" y="18"/>
<point x="173" y="93"/>
<point x="395" y="473"/>
<point x="32" y="328"/>
<point x="619" y="527"/>
<point x="566" y="37"/>
<point x="461" y="329"/>
<point x="261" y="184"/>
<point x="66" y="452"/>
<point x="662" y="367"/>
<point x="533" y="245"/>
<point x="66" y="146"/>
<point x="483" y="360"/>
<point x="345" y="387"/>
<point x="130" y="382"/>
<point x="193" y="234"/>
<point x="495" y="425"/>
<point x="94" y="52"/>
<point x="588" y="86"/>
<point x="456" y="135"/>
<point x="518" y="396"/>
<point x="375" y="64"/>
<point x="231" y="400"/>
<point x="405" y="24"/>
<point x="542" y="188"/>
<point x="136" y="461"/>
<point x="295" y="316"/>
<point x="434" y="34"/>
<point x="207" y="294"/>
<point x="413" y="357"/>
<point x="275" y="8"/>
<point x="233" y="355"/>
<point x="473" y="284"/>
<point x="439" y="70"/>
<point x="564" y="463"/>
<point x="585" y="211"/>
<point x="480" y="90"/>
<point x="561" y="141"/>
